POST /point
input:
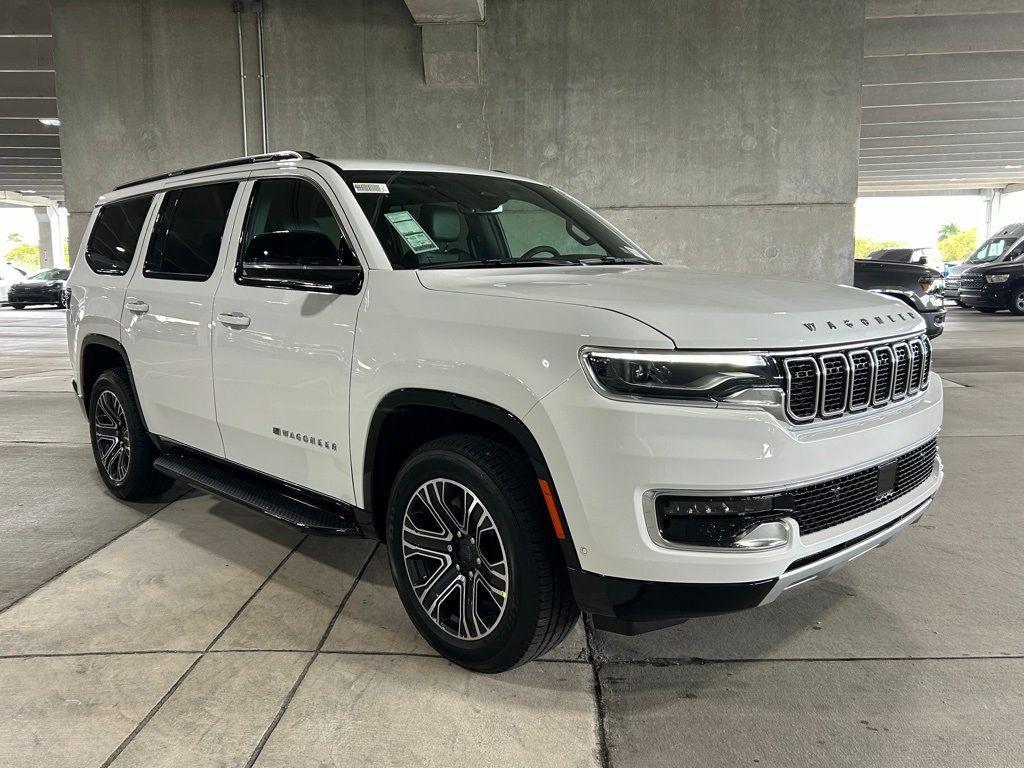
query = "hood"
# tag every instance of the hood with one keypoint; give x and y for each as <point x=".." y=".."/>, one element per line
<point x="998" y="266"/>
<point x="700" y="310"/>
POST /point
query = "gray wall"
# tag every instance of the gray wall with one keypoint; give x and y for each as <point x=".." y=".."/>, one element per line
<point x="719" y="134"/>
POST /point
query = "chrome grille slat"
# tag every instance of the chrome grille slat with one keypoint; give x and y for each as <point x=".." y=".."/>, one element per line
<point x="839" y="381"/>
<point x="835" y="375"/>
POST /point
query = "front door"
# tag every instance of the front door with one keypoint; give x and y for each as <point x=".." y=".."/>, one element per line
<point x="282" y="355"/>
<point x="168" y="311"/>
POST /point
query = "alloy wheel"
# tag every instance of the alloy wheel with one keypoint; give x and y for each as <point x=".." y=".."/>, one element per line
<point x="455" y="559"/>
<point x="111" y="428"/>
<point x="1020" y="302"/>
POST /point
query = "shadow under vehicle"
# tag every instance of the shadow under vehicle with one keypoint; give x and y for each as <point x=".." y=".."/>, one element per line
<point x="918" y="286"/>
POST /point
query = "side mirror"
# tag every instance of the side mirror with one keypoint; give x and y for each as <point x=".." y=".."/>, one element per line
<point x="300" y="259"/>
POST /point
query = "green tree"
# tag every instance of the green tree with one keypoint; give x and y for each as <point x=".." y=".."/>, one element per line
<point x="948" y="230"/>
<point x="865" y="245"/>
<point x="958" y="246"/>
<point x="25" y="256"/>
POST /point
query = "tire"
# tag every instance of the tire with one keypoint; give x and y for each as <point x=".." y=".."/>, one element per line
<point x="529" y="609"/>
<point x="115" y="426"/>
<point x="987" y="310"/>
<point x="17" y="306"/>
<point x="1017" y="300"/>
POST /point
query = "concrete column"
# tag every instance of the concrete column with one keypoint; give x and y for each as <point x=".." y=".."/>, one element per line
<point x="46" y="250"/>
<point x="992" y="198"/>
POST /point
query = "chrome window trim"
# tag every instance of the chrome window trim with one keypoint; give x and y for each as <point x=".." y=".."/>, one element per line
<point x="789" y="381"/>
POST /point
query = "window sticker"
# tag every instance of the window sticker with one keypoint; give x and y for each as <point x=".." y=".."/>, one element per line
<point x="369" y="188"/>
<point x="411" y="231"/>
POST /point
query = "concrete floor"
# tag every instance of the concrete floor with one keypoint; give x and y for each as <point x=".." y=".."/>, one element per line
<point x="192" y="632"/>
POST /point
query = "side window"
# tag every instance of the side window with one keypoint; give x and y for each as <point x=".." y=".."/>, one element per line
<point x="188" y="231"/>
<point x="290" y="223"/>
<point x="115" y="234"/>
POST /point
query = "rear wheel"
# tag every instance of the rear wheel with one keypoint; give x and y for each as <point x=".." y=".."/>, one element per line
<point x="473" y="555"/>
<point x="1017" y="300"/>
<point x="121" y="445"/>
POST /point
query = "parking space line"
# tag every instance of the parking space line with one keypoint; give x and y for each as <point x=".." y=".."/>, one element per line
<point x="305" y="670"/>
<point x="81" y="560"/>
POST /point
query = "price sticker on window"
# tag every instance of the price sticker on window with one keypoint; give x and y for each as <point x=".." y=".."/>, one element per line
<point x="410" y="230"/>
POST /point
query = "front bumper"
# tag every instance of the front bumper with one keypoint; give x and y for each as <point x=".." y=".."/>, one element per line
<point x="632" y="607"/>
<point x="605" y="455"/>
<point x="40" y="296"/>
<point x="987" y="297"/>
<point x="935" y="321"/>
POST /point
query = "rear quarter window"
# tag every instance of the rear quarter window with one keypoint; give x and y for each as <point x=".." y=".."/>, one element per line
<point x="187" y="235"/>
<point x="115" y="234"/>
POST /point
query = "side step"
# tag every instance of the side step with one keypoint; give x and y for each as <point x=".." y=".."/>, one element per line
<point x="291" y="505"/>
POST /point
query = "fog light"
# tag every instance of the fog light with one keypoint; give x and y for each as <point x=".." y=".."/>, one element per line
<point x="721" y="522"/>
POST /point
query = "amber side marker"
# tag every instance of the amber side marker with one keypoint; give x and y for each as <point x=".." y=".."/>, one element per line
<point x="549" y="500"/>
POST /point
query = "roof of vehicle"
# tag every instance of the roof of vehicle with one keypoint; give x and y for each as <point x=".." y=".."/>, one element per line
<point x="1010" y="230"/>
<point x="295" y="155"/>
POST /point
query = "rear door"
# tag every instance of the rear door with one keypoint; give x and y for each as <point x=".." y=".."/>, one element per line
<point x="168" y="312"/>
<point x="282" y="355"/>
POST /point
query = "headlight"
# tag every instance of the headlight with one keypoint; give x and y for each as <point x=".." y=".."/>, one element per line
<point x="996" y="278"/>
<point x="932" y="284"/>
<point x="693" y="376"/>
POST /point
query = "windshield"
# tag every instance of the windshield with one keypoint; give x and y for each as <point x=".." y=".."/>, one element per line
<point x="49" y="274"/>
<point x="990" y="250"/>
<point x="455" y="220"/>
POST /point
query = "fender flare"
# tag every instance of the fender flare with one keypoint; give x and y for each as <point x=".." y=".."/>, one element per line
<point x="470" y="406"/>
<point x="100" y="340"/>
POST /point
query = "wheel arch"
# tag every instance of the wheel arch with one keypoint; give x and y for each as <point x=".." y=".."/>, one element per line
<point x="101" y="353"/>
<point x="406" y="418"/>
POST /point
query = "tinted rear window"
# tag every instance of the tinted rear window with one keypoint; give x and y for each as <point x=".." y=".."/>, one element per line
<point x="115" y="234"/>
<point x="186" y="239"/>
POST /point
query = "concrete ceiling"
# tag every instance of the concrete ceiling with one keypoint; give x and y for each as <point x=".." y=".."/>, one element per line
<point x="29" y="150"/>
<point x="943" y="96"/>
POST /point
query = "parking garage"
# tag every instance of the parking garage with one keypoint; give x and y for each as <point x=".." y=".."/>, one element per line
<point x="190" y="630"/>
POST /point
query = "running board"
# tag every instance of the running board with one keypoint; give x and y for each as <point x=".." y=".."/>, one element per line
<point x="291" y="505"/>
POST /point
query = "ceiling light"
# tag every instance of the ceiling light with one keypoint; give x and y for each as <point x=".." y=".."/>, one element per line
<point x="28" y="191"/>
<point x="1012" y="167"/>
<point x="51" y="121"/>
<point x="957" y="178"/>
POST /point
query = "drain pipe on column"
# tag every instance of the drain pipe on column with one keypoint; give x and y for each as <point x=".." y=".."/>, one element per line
<point x="258" y="8"/>
<point x="236" y="8"/>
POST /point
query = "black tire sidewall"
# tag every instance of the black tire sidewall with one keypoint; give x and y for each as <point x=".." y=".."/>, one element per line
<point x="504" y="646"/>
<point x="1014" y="298"/>
<point x="140" y="462"/>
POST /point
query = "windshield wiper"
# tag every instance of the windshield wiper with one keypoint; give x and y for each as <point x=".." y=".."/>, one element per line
<point x="485" y="263"/>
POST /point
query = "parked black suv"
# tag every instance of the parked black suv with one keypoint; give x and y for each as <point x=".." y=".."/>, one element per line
<point x="915" y="284"/>
<point x="991" y="287"/>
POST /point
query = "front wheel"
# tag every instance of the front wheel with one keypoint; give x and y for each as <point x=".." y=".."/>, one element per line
<point x="1017" y="300"/>
<point x="121" y="445"/>
<point x="473" y="555"/>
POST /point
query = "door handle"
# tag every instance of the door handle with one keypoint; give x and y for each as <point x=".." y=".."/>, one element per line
<point x="136" y="307"/>
<point x="234" y="319"/>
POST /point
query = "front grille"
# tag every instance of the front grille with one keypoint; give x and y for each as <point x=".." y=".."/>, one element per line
<point x="827" y="385"/>
<point x="836" y="501"/>
<point x="971" y="282"/>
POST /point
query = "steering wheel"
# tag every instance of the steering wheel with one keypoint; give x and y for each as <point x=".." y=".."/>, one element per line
<point x="537" y="249"/>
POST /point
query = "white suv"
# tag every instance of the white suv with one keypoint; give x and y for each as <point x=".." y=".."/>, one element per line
<point x="535" y="416"/>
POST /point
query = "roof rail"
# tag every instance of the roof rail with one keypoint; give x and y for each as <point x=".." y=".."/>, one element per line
<point x="284" y="154"/>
